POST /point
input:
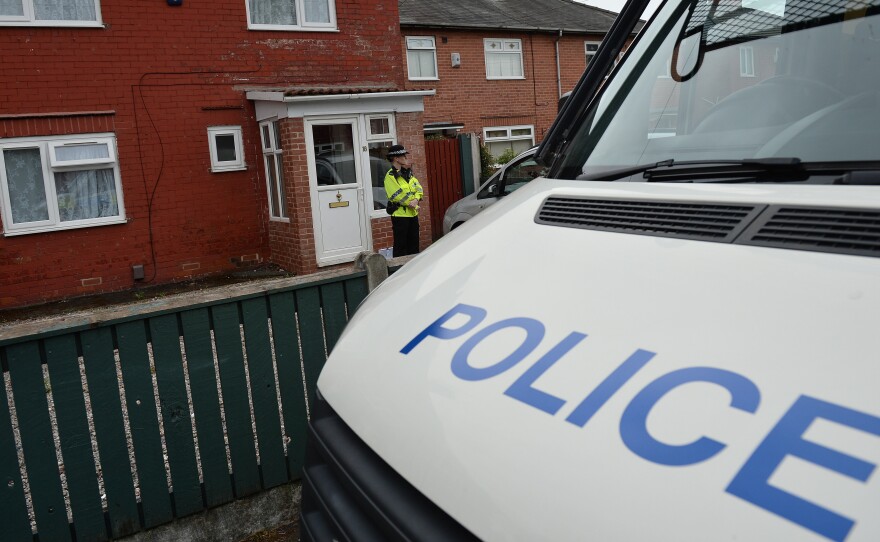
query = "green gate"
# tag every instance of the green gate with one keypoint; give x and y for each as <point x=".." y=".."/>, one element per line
<point x="161" y="415"/>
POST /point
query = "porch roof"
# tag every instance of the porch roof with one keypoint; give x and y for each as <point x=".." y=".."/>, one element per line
<point x="304" y="94"/>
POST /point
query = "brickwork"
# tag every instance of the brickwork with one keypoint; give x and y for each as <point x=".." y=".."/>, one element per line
<point x="465" y="96"/>
<point x="157" y="77"/>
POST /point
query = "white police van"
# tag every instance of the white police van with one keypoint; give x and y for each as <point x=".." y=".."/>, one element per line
<point x="673" y="337"/>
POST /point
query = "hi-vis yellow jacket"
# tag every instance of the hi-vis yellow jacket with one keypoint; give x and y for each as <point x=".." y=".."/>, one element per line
<point x="401" y="191"/>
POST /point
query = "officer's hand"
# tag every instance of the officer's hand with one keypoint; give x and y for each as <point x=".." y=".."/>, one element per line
<point x="414" y="204"/>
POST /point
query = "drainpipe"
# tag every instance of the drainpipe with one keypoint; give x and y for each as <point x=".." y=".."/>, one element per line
<point x="558" y="69"/>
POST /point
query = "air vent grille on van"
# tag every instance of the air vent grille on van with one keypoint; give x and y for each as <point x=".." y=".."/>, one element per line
<point x="848" y="231"/>
<point x="684" y="220"/>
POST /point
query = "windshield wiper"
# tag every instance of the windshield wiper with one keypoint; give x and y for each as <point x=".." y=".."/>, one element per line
<point x="757" y="169"/>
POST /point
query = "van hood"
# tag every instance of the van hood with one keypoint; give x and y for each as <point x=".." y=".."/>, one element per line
<point x="546" y="382"/>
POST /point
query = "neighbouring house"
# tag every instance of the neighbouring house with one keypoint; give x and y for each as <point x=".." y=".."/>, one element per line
<point x="147" y="142"/>
<point x="499" y="67"/>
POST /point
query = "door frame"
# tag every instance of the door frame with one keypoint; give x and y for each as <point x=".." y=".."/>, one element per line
<point x="358" y="144"/>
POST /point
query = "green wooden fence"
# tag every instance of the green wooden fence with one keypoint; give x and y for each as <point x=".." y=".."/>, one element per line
<point x="206" y="425"/>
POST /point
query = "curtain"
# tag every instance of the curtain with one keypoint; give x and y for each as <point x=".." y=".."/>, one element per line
<point x="12" y="8"/>
<point x="277" y="12"/>
<point x="64" y="10"/>
<point x="317" y="11"/>
<point x="27" y="191"/>
<point x="86" y="194"/>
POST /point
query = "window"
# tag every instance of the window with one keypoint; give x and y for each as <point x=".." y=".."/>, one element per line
<point x="508" y="139"/>
<point x="270" y="136"/>
<point x="517" y="175"/>
<point x="746" y="62"/>
<point x="226" y="149"/>
<point x="380" y="137"/>
<point x="291" y="14"/>
<point x="590" y="48"/>
<point x="421" y="57"/>
<point x="50" y="13"/>
<point x="59" y="183"/>
<point x="503" y="59"/>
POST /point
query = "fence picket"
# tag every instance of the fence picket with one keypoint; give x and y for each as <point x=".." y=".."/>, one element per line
<point x="233" y="385"/>
<point x="355" y="292"/>
<point x="333" y="305"/>
<point x="308" y="306"/>
<point x="144" y="422"/>
<point x="13" y="510"/>
<point x="35" y="427"/>
<point x="76" y="444"/>
<point x="165" y="336"/>
<point x="206" y="403"/>
<point x="290" y="381"/>
<point x="97" y="351"/>
<point x="268" y="421"/>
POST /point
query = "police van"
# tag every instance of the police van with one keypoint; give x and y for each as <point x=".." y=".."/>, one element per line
<point x="674" y="336"/>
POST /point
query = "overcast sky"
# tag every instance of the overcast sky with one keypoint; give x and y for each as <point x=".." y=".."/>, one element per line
<point x="617" y="5"/>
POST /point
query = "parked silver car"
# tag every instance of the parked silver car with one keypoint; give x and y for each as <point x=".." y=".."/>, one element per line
<point x="511" y="176"/>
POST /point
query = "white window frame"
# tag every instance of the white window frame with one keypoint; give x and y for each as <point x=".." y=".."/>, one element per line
<point x="746" y="62"/>
<point x="504" y="41"/>
<point x="389" y="137"/>
<point x="51" y="165"/>
<point x="274" y="152"/>
<point x="433" y="48"/>
<point x="27" y="18"/>
<point x="589" y="55"/>
<point x="301" y="25"/>
<point x="509" y="134"/>
<point x="234" y="165"/>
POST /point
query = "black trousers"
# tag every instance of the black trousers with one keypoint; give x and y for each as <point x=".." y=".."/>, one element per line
<point x="406" y="235"/>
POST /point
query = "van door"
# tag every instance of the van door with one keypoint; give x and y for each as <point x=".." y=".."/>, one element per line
<point x="336" y="183"/>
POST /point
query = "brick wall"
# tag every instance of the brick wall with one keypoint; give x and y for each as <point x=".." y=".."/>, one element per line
<point x="158" y="77"/>
<point x="465" y="96"/>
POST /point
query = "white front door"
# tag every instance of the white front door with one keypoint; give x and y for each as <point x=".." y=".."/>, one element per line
<point x="336" y="178"/>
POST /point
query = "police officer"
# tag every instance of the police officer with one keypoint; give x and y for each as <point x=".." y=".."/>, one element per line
<point x="403" y="189"/>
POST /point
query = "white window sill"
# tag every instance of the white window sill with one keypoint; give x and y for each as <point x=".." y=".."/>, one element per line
<point x="225" y="169"/>
<point x="55" y="24"/>
<point x="505" y="78"/>
<point x="424" y="78"/>
<point x="278" y="28"/>
<point x="279" y="219"/>
<point x="65" y="226"/>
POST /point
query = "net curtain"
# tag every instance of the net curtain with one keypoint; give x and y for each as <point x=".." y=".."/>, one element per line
<point x="52" y="10"/>
<point x="283" y="12"/>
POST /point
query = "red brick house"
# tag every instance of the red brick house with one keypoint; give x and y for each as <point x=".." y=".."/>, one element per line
<point x="145" y="142"/>
<point x="499" y="66"/>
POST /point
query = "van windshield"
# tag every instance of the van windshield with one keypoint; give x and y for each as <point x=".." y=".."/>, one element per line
<point x="742" y="79"/>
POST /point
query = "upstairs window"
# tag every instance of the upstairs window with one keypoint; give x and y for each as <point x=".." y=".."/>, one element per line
<point x="59" y="183"/>
<point x="421" y="57"/>
<point x="50" y="13"/>
<point x="291" y="14"/>
<point x="590" y="48"/>
<point x="503" y="59"/>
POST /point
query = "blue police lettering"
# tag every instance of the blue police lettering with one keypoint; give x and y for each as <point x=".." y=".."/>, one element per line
<point x="750" y="483"/>
<point x="744" y="395"/>
<point x="465" y="371"/>
<point x="522" y="389"/>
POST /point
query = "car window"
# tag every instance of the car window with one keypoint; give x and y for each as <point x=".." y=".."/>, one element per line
<point x="519" y="174"/>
